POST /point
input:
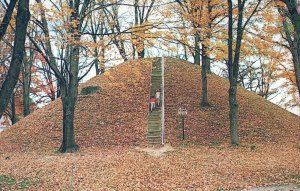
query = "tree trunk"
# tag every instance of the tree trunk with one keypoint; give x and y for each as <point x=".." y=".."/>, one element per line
<point x="297" y="68"/>
<point x="295" y="43"/>
<point x="26" y="74"/>
<point x="13" y="110"/>
<point x="141" y="54"/>
<point x="136" y="22"/>
<point x="233" y="106"/>
<point x="17" y="57"/>
<point x="7" y="17"/>
<point x="205" y="63"/>
<point x="209" y="34"/>
<point x="295" y="17"/>
<point x="197" y="54"/>
<point x="68" y="142"/>
<point x="208" y="66"/>
<point x="233" y="113"/>
<point x="97" y="62"/>
<point x="69" y="97"/>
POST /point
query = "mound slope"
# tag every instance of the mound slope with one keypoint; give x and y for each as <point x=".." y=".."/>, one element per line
<point x="117" y="115"/>
<point x="114" y="116"/>
<point x="260" y="121"/>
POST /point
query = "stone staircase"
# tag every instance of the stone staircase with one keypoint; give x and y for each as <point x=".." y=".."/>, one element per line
<point x="155" y="117"/>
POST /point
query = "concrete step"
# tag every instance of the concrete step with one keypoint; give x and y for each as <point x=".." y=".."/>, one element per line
<point x="154" y="133"/>
<point x="154" y="122"/>
<point x="154" y="117"/>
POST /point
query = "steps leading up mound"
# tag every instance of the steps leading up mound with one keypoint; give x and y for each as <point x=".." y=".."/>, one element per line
<point x="155" y="117"/>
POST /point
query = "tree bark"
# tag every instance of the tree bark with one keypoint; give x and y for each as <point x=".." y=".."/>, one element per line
<point x="141" y="54"/>
<point x="68" y="101"/>
<point x="296" y="62"/>
<point x="197" y="54"/>
<point x="69" y="96"/>
<point x="11" y="79"/>
<point x="205" y="63"/>
<point x="7" y="17"/>
<point x="13" y="110"/>
<point x="233" y="105"/>
<point x="26" y="74"/>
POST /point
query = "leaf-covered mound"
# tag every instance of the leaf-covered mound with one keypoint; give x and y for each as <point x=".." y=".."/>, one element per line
<point x="114" y="116"/>
<point x="110" y="121"/>
<point x="117" y="115"/>
<point x="260" y="121"/>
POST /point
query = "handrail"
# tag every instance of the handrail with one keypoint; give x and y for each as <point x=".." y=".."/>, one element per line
<point x="163" y="101"/>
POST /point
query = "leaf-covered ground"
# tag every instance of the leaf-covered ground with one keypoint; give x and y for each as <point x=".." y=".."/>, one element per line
<point x="112" y="122"/>
<point x="260" y="121"/>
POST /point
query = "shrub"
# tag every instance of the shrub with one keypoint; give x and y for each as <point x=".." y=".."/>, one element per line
<point x="89" y="90"/>
<point x="253" y="147"/>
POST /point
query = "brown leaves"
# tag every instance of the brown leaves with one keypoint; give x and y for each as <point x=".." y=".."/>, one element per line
<point x="109" y="123"/>
<point x="260" y="121"/>
<point x="186" y="168"/>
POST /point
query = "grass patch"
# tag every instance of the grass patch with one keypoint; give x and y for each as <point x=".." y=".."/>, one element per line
<point x="294" y="176"/>
<point x="6" y="180"/>
<point x="23" y="184"/>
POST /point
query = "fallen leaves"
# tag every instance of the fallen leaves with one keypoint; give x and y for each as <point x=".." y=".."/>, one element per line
<point x="110" y="123"/>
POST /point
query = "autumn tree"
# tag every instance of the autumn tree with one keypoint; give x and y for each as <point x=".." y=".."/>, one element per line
<point x="72" y="25"/>
<point x="203" y="17"/>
